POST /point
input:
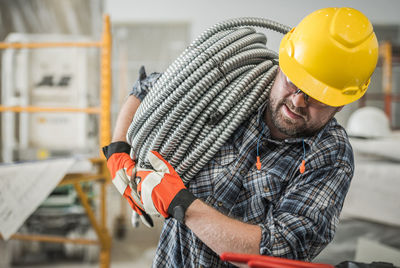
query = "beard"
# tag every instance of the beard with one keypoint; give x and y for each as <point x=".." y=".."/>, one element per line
<point x="291" y="127"/>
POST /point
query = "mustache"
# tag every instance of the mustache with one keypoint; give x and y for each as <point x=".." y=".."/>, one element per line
<point x="298" y="110"/>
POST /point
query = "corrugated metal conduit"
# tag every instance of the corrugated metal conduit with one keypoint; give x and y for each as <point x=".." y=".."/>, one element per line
<point x="205" y="94"/>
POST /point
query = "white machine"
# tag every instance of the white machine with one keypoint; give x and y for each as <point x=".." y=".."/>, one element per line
<point x="48" y="77"/>
<point x="369" y="123"/>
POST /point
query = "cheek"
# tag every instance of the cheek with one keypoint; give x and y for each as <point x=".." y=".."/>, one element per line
<point x="319" y="118"/>
<point x="276" y="97"/>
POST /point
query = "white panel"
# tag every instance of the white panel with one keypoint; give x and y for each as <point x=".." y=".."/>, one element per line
<point x="374" y="192"/>
<point x="48" y="77"/>
<point x="24" y="187"/>
<point x="368" y="251"/>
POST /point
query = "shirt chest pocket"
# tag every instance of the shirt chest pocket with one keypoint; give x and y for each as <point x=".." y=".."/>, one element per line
<point x="264" y="187"/>
<point x="226" y="186"/>
<point x="226" y="155"/>
<point x="261" y="194"/>
<point x="223" y="163"/>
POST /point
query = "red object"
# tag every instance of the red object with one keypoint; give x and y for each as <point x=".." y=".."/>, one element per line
<point x="166" y="188"/>
<point x="262" y="261"/>
<point x="303" y="166"/>
<point x="121" y="162"/>
<point x="258" y="164"/>
<point x="121" y="167"/>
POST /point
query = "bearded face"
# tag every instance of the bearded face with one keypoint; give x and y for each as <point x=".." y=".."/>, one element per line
<point x="291" y="113"/>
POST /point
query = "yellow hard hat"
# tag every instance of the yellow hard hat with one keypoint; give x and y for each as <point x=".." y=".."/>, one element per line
<point x="331" y="55"/>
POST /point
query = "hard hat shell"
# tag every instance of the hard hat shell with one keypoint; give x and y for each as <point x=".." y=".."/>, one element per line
<point x="368" y="122"/>
<point x="330" y="55"/>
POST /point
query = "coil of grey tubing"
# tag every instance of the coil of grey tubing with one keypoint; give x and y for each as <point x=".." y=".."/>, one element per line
<point x="222" y="78"/>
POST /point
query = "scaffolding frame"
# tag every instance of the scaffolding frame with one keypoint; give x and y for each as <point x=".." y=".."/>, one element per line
<point x="388" y="56"/>
<point x="101" y="175"/>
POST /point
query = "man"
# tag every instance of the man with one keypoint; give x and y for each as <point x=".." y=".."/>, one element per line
<point x="286" y="204"/>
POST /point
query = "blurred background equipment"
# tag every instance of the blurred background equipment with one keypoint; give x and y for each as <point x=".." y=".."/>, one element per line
<point x="368" y="122"/>
<point x="50" y="108"/>
<point x="377" y="159"/>
<point x="48" y="77"/>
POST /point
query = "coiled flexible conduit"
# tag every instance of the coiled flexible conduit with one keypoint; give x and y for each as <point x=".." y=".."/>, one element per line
<point x="205" y="94"/>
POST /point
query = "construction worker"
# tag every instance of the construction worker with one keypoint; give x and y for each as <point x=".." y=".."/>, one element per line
<point x="286" y="204"/>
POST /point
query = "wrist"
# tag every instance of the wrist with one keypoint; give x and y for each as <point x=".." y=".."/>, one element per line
<point x="180" y="203"/>
<point x="116" y="147"/>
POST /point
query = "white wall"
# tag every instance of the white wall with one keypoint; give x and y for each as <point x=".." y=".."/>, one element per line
<point x="202" y="14"/>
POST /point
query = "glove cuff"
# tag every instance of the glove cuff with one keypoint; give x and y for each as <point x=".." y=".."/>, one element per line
<point x="180" y="203"/>
<point x="116" y="147"/>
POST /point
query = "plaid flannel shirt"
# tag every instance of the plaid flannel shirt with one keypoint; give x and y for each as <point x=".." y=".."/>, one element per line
<point x="297" y="213"/>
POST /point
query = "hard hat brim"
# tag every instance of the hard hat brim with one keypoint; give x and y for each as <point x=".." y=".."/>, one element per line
<point x="307" y="83"/>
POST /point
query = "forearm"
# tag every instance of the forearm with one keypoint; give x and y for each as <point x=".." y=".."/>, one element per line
<point x="124" y="118"/>
<point x="221" y="233"/>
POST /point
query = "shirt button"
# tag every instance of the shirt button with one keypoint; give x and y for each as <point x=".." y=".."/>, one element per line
<point x="243" y="172"/>
<point x="220" y="204"/>
<point x="265" y="143"/>
<point x="266" y="189"/>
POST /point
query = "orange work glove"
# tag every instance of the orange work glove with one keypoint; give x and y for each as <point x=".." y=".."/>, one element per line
<point x="121" y="167"/>
<point x="162" y="190"/>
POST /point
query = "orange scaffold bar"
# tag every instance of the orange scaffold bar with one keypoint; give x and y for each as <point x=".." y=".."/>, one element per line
<point x="104" y="112"/>
<point x="105" y="108"/>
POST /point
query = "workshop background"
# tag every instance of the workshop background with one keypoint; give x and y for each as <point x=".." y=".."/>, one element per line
<point x="60" y="96"/>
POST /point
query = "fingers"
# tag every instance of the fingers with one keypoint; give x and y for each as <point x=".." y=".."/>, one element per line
<point x="147" y="220"/>
<point x="147" y="186"/>
<point x="158" y="187"/>
<point x="159" y="163"/>
<point x="141" y="174"/>
<point x="146" y="181"/>
<point x="129" y="195"/>
<point x="129" y="168"/>
<point x="122" y="167"/>
<point x="119" y="161"/>
<point x="133" y="197"/>
<point x="121" y="181"/>
<point x="137" y="207"/>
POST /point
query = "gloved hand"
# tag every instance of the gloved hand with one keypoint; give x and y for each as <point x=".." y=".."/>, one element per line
<point x="162" y="190"/>
<point x="121" y="167"/>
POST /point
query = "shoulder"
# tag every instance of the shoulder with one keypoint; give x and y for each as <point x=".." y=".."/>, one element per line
<point x="332" y="146"/>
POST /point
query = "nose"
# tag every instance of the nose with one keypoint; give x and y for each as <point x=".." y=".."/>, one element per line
<point x="298" y="100"/>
